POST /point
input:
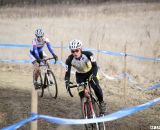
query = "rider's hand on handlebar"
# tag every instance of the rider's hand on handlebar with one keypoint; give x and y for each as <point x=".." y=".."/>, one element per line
<point x="67" y="84"/>
<point x="55" y="57"/>
<point x="39" y="61"/>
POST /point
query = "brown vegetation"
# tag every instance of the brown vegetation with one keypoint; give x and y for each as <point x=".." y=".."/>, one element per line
<point x="106" y="27"/>
<point x="48" y="2"/>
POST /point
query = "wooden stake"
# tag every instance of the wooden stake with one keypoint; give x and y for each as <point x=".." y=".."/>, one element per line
<point x="34" y="106"/>
<point x="61" y="56"/>
<point x="125" y="72"/>
<point x="98" y="47"/>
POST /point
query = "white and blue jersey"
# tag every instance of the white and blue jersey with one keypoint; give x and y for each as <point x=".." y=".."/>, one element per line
<point x="36" y="52"/>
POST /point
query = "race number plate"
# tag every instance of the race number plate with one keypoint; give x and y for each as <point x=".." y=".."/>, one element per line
<point x="80" y="89"/>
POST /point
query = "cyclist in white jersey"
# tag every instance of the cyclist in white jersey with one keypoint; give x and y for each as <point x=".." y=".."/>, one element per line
<point x="37" y="53"/>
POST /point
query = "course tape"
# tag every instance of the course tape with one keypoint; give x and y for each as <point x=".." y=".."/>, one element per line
<point x="22" y="123"/>
<point x="15" y="61"/>
<point x="16" y="45"/>
<point x="133" y="83"/>
<point x="153" y="87"/>
<point x="122" y="54"/>
<point x="101" y="51"/>
<point x="113" y="116"/>
<point x="26" y="61"/>
<point x="25" y="46"/>
<point x="143" y="58"/>
<point x="106" y="52"/>
<point x="115" y="78"/>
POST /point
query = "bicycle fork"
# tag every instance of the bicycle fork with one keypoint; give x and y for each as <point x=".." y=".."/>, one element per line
<point x="88" y="97"/>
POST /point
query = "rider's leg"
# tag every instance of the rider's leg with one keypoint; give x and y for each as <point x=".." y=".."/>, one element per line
<point x="98" y="91"/>
<point x="36" y="71"/>
<point x="35" y="65"/>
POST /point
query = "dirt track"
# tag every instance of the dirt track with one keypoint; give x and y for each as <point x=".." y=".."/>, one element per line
<point x="15" y="104"/>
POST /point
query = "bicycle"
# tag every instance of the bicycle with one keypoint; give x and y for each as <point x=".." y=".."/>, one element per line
<point x="47" y="80"/>
<point x="89" y="104"/>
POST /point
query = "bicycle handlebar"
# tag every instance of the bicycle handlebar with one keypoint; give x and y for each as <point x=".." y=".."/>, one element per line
<point x="45" y="60"/>
<point x="48" y="59"/>
<point x="78" y="85"/>
<point x="74" y="86"/>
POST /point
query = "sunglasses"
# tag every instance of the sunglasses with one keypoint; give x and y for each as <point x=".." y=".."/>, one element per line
<point x="39" y="36"/>
<point x="73" y="51"/>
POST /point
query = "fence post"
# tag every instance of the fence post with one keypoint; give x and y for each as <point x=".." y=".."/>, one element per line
<point x="34" y="106"/>
<point x="61" y="56"/>
<point x="125" y="72"/>
<point x="98" y="47"/>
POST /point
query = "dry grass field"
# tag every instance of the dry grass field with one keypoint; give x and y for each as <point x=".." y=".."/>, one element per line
<point x="111" y="27"/>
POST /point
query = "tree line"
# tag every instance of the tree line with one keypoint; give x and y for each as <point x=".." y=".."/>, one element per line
<point x="41" y="2"/>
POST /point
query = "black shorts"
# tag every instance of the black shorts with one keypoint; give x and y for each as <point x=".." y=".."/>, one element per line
<point x="82" y="77"/>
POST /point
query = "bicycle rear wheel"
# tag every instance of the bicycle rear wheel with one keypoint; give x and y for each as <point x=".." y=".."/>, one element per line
<point x="52" y="84"/>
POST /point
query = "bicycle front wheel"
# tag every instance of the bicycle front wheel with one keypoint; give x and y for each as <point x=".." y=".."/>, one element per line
<point x="52" y="84"/>
<point x="88" y="111"/>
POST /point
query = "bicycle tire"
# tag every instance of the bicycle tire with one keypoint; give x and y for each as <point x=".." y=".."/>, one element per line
<point x="42" y="85"/>
<point x="95" y="104"/>
<point x="87" y="114"/>
<point x="52" y="87"/>
<point x="84" y="111"/>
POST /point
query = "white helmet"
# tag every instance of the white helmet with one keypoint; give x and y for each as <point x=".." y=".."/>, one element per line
<point x="75" y="44"/>
<point x="39" y="33"/>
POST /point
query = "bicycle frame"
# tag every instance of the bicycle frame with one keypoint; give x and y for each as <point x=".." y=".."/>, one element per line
<point x="88" y="95"/>
<point x="46" y="68"/>
<point x="44" y="74"/>
<point x="47" y="79"/>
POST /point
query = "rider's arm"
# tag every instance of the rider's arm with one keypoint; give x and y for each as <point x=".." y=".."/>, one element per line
<point x="94" y="68"/>
<point x="47" y="41"/>
<point x="68" y="68"/>
<point x="50" y="48"/>
<point x="93" y="62"/>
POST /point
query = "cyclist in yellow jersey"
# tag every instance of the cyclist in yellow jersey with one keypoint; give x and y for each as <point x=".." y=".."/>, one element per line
<point x="86" y="68"/>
